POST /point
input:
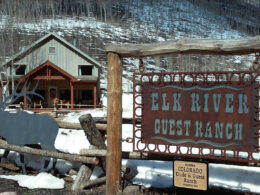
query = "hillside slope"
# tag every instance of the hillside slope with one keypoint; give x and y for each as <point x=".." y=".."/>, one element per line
<point x="98" y="23"/>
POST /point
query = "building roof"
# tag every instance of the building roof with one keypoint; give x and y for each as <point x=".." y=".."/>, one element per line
<point x="41" y="42"/>
<point x="47" y="64"/>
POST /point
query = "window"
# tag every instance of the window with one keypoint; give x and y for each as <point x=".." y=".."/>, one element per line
<point x="85" y="70"/>
<point x="40" y="92"/>
<point x="51" y="50"/>
<point x="20" y="69"/>
<point x="86" y="94"/>
<point x="65" y="94"/>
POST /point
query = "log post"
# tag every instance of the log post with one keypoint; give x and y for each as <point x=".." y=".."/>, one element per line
<point x="186" y="46"/>
<point x="95" y="95"/>
<point x="82" y="177"/>
<point x="97" y="181"/>
<point x="93" y="135"/>
<point x="72" y="95"/>
<point x="24" y="98"/>
<point x="101" y="127"/>
<point x="46" y="153"/>
<point x="114" y="124"/>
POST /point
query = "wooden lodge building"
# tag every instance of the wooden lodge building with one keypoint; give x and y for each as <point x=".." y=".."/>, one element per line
<point x="64" y="74"/>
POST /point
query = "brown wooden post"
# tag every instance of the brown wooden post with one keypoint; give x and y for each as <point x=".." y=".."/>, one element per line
<point x="114" y="125"/>
<point x="77" y="95"/>
<point x="95" y="96"/>
<point x="72" y="94"/>
<point x="25" y="99"/>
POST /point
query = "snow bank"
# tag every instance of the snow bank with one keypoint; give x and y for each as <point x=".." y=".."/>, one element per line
<point x="152" y="173"/>
<point x="42" y="180"/>
<point x="239" y="178"/>
<point x="71" y="141"/>
<point x="159" y="174"/>
<point x="127" y="104"/>
<point x="73" y="117"/>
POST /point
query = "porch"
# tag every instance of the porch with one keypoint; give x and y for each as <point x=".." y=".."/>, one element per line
<point x="62" y="94"/>
<point x="57" y="87"/>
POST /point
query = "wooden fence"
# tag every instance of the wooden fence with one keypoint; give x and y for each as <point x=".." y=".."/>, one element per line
<point x="114" y="55"/>
<point x="110" y="157"/>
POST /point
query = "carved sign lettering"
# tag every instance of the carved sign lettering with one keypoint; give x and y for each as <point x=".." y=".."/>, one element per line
<point x="201" y="115"/>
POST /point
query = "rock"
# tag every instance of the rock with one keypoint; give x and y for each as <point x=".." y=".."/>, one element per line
<point x="73" y="172"/>
<point x="131" y="171"/>
<point x="10" y="166"/>
<point x="67" y="179"/>
<point x="132" y="190"/>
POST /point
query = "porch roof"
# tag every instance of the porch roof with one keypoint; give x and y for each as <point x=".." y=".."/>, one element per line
<point x="35" y="73"/>
<point x="63" y="75"/>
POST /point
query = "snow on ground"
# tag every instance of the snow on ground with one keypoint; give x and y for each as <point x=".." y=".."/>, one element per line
<point x="42" y="180"/>
<point x="160" y="173"/>
<point x="152" y="173"/>
<point x="148" y="173"/>
<point x="127" y="99"/>
<point x="77" y="139"/>
<point x="241" y="178"/>
<point x="73" y="117"/>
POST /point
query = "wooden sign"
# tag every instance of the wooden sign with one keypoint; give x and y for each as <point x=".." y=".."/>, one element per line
<point x="190" y="175"/>
<point x="200" y="115"/>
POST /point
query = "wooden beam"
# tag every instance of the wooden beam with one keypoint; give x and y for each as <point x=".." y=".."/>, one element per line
<point x="188" y="45"/>
<point x="49" y="78"/>
<point x="94" y="136"/>
<point x="83" y="177"/>
<point x="77" y="94"/>
<point x="86" y="82"/>
<point x="24" y="98"/>
<point x="95" y="96"/>
<point x="70" y="157"/>
<point x="66" y="125"/>
<point x="93" y="182"/>
<point x="114" y="124"/>
<point x="72" y="94"/>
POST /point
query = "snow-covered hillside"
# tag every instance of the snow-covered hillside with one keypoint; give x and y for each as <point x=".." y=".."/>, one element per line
<point x="140" y="22"/>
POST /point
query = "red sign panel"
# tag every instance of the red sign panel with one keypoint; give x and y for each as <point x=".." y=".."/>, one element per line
<point x="206" y="115"/>
<point x="202" y="115"/>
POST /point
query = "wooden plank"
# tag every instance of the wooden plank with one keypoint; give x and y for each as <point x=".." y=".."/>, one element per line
<point x="93" y="152"/>
<point x="49" y="78"/>
<point x="94" y="182"/>
<point x="72" y="95"/>
<point x="188" y="45"/>
<point x="114" y="124"/>
<point x="70" y="157"/>
<point x="66" y="125"/>
<point x="25" y="99"/>
<point x="95" y="96"/>
<point x="82" y="177"/>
